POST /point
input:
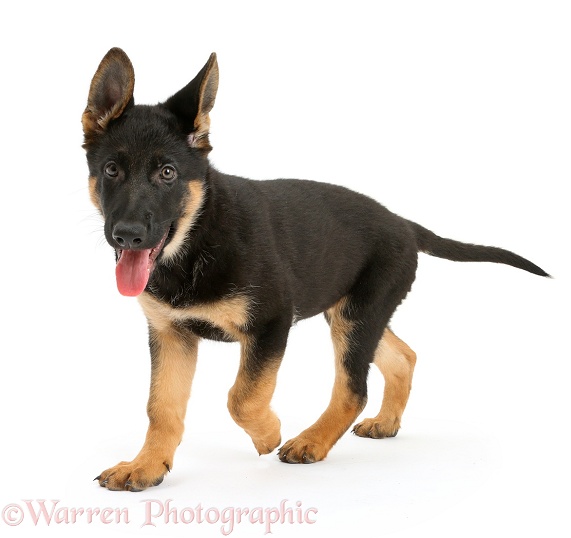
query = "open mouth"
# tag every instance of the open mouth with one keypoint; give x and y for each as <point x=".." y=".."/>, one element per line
<point x="134" y="267"/>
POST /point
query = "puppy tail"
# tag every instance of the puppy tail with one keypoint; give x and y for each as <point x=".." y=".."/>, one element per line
<point x="430" y="243"/>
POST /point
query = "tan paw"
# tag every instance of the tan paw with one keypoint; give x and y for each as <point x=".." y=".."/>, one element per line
<point x="302" y="450"/>
<point x="135" y="475"/>
<point x="376" y="428"/>
<point x="267" y="444"/>
<point x="266" y="434"/>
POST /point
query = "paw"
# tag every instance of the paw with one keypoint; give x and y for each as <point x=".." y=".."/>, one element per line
<point x="266" y="438"/>
<point x="264" y="432"/>
<point x="267" y="444"/>
<point x="376" y="428"/>
<point x="302" y="450"/>
<point x="135" y="475"/>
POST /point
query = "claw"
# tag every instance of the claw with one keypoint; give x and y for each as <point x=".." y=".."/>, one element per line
<point x="308" y="459"/>
<point x="129" y="487"/>
<point x="282" y="454"/>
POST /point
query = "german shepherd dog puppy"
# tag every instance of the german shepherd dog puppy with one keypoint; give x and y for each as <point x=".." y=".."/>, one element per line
<point x="215" y="256"/>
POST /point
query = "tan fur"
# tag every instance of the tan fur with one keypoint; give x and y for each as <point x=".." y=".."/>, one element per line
<point x="186" y="222"/>
<point x="248" y="400"/>
<point x="230" y="315"/>
<point x="396" y="362"/>
<point x="249" y="403"/>
<point x="93" y="195"/>
<point x="174" y="364"/>
<point x="314" y="443"/>
<point x="207" y="94"/>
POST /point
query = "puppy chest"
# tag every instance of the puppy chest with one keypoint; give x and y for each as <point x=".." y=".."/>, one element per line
<point x="226" y="319"/>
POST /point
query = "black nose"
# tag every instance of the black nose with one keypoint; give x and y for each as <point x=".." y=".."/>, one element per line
<point x="129" y="234"/>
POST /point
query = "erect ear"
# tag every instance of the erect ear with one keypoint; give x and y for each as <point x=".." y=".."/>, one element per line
<point x="194" y="102"/>
<point x="110" y="93"/>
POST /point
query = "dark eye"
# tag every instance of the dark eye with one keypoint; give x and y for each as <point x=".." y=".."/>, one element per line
<point x="168" y="173"/>
<point x="111" y="169"/>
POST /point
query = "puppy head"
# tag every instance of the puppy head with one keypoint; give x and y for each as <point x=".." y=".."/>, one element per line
<point x="147" y="165"/>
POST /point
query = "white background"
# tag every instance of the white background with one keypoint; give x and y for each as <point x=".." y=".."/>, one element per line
<point x="454" y="114"/>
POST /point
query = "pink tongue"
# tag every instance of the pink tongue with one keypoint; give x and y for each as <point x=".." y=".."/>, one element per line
<point x="132" y="272"/>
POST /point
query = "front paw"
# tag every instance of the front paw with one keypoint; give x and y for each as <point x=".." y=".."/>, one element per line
<point x="269" y="438"/>
<point x="267" y="444"/>
<point x="135" y="475"/>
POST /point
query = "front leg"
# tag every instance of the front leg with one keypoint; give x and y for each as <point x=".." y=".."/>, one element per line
<point x="249" y="399"/>
<point x="173" y="363"/>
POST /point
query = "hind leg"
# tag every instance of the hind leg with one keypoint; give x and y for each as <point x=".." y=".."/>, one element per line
<point x="396" y="362"/>
<point x="352" y="358"/>
<point x="357" y="322"/>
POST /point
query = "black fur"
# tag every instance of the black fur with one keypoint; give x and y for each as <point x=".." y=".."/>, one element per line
<point x="294" y="248"/>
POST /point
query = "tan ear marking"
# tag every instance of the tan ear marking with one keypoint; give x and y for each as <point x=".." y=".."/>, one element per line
<point x="206" y="98"/>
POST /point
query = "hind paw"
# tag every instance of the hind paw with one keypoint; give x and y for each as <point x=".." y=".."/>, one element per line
<point x="302" y="450"/>
<point x="377" y="428"/>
